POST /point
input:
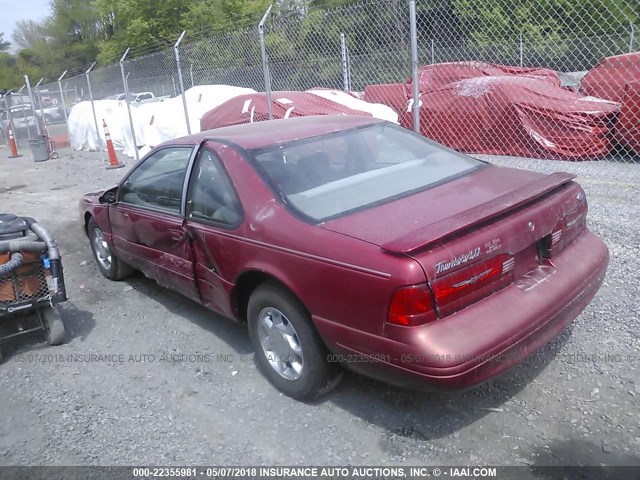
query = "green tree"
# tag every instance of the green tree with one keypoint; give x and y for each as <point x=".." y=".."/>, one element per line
<point x="9" y="77"/>
<point x="139" y="24"/>
<point x="4" y="45"/>
<point x="494" y="20"/>
<point x="75" y="28"/>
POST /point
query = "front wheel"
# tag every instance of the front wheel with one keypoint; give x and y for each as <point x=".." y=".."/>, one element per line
<point x="53" y="325"/>
<point x="289" y="351"/>
<point x="109" y="264"/>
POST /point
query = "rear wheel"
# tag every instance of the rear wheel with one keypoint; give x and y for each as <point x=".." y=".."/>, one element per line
<point x="109" y="264"/>
<point x="289" y="351"/>
<point x="53" y="325"/>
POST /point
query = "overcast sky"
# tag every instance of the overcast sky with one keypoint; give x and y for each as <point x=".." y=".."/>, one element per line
<point x="12" y="11"/>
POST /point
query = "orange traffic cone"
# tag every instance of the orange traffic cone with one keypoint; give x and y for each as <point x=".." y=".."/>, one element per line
<point x="12" y="144"/>
<point x="113" y="159"/>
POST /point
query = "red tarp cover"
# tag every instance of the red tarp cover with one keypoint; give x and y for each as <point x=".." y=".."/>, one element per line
<point x="253" y="108"/>
<point x="500" y="110"/>
<point x="393" y="95"/>
<point x="433" y="77"/>
<point x="628" y="126"/>
<point x="617" y="78"/>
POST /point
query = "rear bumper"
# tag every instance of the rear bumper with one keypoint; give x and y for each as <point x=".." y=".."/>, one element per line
<point x="483" y="340"/>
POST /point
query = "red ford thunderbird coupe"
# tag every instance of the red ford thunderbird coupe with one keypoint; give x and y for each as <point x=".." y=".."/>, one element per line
<point x="349" y="241"/>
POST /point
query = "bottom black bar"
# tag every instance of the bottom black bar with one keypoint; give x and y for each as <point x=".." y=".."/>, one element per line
<point x="334" y="472"/>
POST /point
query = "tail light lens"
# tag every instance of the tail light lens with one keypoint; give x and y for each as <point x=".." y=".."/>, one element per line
<point x="568" y="229"/>
<point x="411" y="306"/>
<point x="459" y="289"/>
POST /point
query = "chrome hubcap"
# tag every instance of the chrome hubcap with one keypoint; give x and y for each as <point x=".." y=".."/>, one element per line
<point x="280" y="343"/>
<point x="103" y="253"/>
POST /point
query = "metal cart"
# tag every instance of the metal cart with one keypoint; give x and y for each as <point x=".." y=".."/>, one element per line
<point x="31" y="281"/>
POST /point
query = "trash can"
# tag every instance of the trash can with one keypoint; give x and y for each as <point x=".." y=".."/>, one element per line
<point x="39" y="148"/>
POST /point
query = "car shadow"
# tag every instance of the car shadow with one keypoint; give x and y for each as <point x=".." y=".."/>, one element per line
<point x="400" y="412"/>
<point x="232" y="333"/>
<point x="568" y="459"/>
<point x="578" y="451"/>
<point x="428" y="416"/>
<point x="78" y="324"/>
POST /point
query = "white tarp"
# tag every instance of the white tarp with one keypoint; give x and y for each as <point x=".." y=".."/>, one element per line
<point x="162" y="121"/>
<point x="83" y="129"/>
<point x="377" y="110"/>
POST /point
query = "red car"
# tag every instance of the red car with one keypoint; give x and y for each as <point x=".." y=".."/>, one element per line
<point x="346" y="240"/>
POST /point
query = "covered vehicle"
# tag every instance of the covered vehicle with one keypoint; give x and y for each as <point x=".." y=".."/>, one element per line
<point x="628" y="126"/>
<point x="617" y="79"/>
<point x="434" y="77"/>
<point x="346" y="240"/>
<point x="253" y="107"/>
<point x="85" y="136"/>
<point x="502" y="110"/>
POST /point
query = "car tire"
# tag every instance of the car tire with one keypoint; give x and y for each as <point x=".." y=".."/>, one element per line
<point x="109" y="264"/>
<point x="54" y="327"/>
<point x="304" y="376"/>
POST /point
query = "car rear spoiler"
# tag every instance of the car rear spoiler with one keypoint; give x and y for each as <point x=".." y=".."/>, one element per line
<point x="430" y="234"/>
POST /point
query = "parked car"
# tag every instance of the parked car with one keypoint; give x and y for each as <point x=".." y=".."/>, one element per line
<point x="22" y="116"/>
<point x="138" y="98"/>
<point x="346" y="240"/>
<point x="51" y="114"/>
<point x="144" y="97"/>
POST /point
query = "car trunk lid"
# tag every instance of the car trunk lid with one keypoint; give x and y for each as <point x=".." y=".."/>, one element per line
<point x="498" y="229"/>
<point x="436" y="232"/>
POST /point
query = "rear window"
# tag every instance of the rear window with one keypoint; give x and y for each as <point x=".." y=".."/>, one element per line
<point x="328" y="176"/>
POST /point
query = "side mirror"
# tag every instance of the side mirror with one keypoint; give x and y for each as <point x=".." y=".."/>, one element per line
<point x="110" y="196"/>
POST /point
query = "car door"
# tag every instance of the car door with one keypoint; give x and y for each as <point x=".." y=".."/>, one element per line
<point x="212" y="209"/>
<point x="147" y="222"/>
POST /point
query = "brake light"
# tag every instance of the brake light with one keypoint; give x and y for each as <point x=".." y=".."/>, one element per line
<point x="569" y="228"/>
<point x="458" y="290"/>
<point x="411" y="306"/>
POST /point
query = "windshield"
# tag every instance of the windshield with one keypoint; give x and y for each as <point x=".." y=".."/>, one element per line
<point x="328" y="176"/>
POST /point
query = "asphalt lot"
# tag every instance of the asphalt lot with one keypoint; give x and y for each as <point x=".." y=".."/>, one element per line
<point x="148" y="377"/>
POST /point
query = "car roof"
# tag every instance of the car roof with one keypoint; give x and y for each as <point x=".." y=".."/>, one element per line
<point x="263" y="134"/>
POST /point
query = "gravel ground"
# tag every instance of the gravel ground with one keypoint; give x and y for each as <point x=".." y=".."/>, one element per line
<point x="575" y="402"/>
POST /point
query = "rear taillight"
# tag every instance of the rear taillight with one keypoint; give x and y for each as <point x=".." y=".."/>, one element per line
<point x="569" y="228"/>
<point x="458" y="290"/>
<point x="411" y="306"/>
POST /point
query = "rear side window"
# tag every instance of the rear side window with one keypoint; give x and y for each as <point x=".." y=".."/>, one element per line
<point x="212" y="197"/>
<point x="158" y="181"/>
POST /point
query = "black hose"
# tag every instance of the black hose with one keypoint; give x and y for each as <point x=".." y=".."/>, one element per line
<point x="38" y="240"/>
<point x="45" y="236"/>
<point x="11" y="265"/>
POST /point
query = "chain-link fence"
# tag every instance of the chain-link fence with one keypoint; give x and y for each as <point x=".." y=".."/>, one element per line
<point x="485" y="77"/>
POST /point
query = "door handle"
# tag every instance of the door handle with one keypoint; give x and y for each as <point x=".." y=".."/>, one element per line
<point x="177" y="235"/>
